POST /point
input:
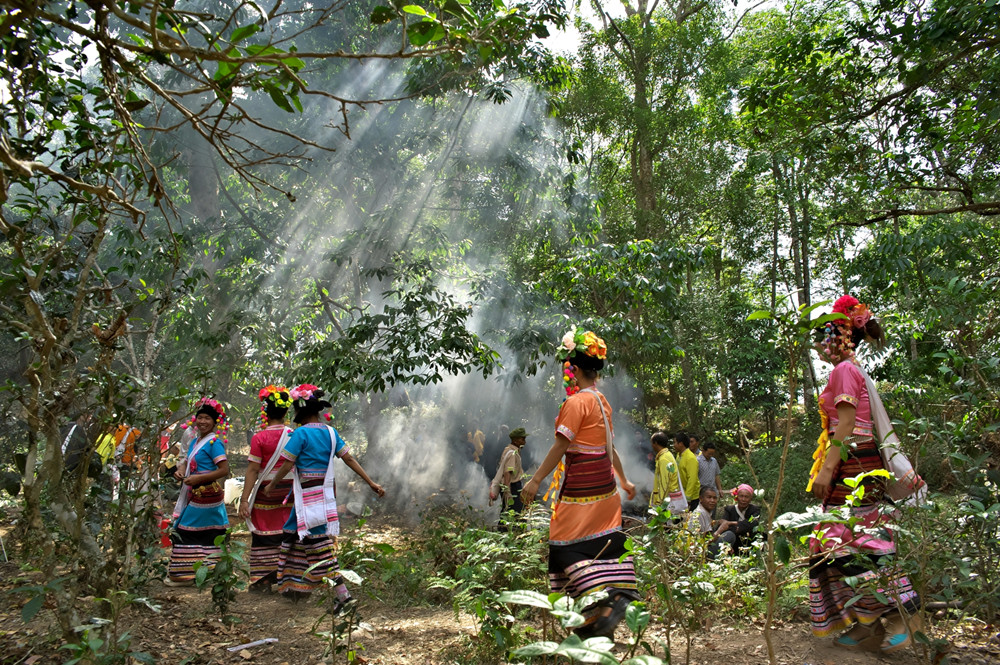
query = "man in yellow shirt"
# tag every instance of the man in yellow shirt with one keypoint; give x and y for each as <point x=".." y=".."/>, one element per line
<point x="665" y="477"/>
<point x="689" y="468"/>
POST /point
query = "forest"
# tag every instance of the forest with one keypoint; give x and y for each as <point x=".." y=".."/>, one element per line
<point x="408" y="203"/>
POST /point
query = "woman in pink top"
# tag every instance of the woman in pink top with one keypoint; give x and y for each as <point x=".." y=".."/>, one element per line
<point x="854" y="558"/>
<point x="266" y="513"/>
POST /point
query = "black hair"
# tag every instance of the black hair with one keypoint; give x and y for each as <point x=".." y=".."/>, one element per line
<point x="208" y="410"/>
<point x="661" y="439"/>
<point x="312" y="407"/>
<point x="589" y="366"/>
<point x="709" y="446"/>
<point x="705" y="490"/>
<point x="683" y="438"/>
<point x="274" y="412"/>
<point x="871" y="333"/>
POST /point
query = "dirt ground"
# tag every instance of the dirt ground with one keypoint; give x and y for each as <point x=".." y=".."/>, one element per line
<point x="187" y="630"/>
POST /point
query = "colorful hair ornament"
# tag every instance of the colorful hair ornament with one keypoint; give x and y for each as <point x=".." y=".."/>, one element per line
<point x="857" y="313"/>
<point x="303" y="393"/>
<point x="279" y="396"/>
<point x="580" y="341"/>
<point x="215" y="405"/>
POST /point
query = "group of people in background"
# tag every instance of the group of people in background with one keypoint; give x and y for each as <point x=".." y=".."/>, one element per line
<point x="289" y="498"/>
<point x="688" y="483"/>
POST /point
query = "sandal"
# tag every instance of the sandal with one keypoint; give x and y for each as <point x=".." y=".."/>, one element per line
<point x="899" y="631"/>
<point x="605" y="624"/>
<point x="861" y="637"/>
<point x="171" y="582"/>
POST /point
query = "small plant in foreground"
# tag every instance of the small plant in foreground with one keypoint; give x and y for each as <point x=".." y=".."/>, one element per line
<point x="344" y="619"/>
<point x="568" y="614"/>
<point x="227" y="572"/>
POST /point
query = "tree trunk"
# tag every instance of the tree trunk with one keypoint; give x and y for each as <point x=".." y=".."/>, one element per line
<point x="642" y="156"/>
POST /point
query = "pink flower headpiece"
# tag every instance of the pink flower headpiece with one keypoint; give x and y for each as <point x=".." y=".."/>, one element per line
<point x="857" y="312"/>
<point x="303" y="392"/>
<point x="218" y="408"/>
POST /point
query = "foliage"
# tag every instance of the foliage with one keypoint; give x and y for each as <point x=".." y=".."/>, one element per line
<point x="343" y="619"/>
<point x="225" y="572"/>
<point x="487" y="562"/>
<point x="567" y="613"/>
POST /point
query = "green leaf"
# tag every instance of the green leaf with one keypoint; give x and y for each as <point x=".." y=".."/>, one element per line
<point x="31" y="608"/>
<point x="526" y="597"/>
<point x="821" y="321"/>
<point x="351" y="577"/>
<point x="280" y="100"/>
<point x="636" y="617"/>
<point x="537" y="649"/>
<point x="416" y="10"/>
<point x="243" y="32"/>
<point x="424" y="32"/>
<point x="760" y="314"/>
<point x="782" y="549"/>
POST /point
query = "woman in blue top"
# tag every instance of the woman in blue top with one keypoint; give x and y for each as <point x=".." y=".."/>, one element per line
<point x="308" y="551"/>
<point x="200" y="513"/>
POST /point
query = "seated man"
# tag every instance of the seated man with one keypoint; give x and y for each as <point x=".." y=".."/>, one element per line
<point x="701" y="522"/>
<point x="744" y="518"/>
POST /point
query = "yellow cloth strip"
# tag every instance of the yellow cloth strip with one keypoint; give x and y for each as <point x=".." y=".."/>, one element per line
<point x="819" y="455"/>
<point x="554" y="486"/>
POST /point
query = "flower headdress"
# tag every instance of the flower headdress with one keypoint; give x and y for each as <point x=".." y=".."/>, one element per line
<point x="206" y="403"/>
<point x="305" y="392"/>
<point x="857" y="313"/>
<point x="577" y="343"/>
<point x="279" y="396"/>
<point x="840" y="333"/>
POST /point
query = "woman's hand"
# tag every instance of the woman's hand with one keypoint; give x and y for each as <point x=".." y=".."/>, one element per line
<point x="629" y="488"/>
<point x="178" y="475"/>
<point x="821" y="485"/>
<point x="378" y="489"/>
<point x="529" y="491"/>
<point x="268" y="488"/>
<point x="193" y="480"/>
<point x="244" y="511"/>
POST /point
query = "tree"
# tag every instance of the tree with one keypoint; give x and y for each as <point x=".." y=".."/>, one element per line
<point x="91" y="204"/>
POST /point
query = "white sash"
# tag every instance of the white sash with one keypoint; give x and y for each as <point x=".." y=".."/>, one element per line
<point x="69" y="435"/>
<point x="185" y="496"/>
<point x="905" y="485"/>
<point x="678" y="504"/>
<point x="319" y="506"/>
<point x="267" y="471"/>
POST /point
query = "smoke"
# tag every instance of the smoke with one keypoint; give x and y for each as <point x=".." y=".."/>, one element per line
<point x="411" y="169"/>
<point x="424" y="458"/>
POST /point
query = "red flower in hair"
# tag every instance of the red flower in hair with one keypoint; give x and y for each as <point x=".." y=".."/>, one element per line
<point x="844" y="304"/>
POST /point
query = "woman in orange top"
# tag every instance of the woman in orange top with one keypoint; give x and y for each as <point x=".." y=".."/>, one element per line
<point x="586" y="543"/>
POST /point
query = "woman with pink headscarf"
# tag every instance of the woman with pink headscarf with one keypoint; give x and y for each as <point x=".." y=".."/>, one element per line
<point x="745" y="516"/>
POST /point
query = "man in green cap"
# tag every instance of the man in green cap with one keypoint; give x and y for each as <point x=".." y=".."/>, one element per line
<point x="507" y="482"/>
